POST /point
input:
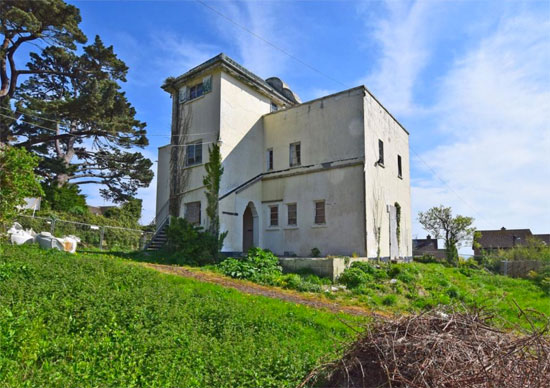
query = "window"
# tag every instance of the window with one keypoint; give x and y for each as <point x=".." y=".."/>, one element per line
<point x="196" y="91"/>
<point x="274" y="215"/>
<point x="320" y="212"/>
<point x="193" y="212"/>
<point x="274" y="107"/>
<point x="399" y="168"/>
<point x="295" y="154"/>
<point x="292" y="214"/>
<point x="189" y="93"/>
<point x="380" y="152"/>
<point x="193" y="154"/>
<point x="270" y="159"/>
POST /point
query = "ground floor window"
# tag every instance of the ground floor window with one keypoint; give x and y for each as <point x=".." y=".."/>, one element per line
<point x="292" y="210"/>
<point x="274" y="215"/>
<point x="193" y="212"/>
<point x="320" y="217"/>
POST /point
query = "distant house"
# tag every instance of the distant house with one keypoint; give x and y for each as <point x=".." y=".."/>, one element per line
<point x="493" y="240"/>
<point x="427" y="246"/>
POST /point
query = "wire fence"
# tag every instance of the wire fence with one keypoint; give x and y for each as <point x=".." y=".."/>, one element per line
<point x="92" y="237"/>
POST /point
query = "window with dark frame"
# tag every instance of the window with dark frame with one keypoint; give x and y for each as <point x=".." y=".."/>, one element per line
<point x="193" y="212"/>
<point x="295" y="154"/>
<point x="270" y="159"/>
<point x="380" y="152"/>
<point x="274" y="215"/>
<point x="399" y="168"/>
<point x="193" y="154"/>
<point x="196" y="91"/>
<point x="320" y="217"/>
<point x="292" y="211"/>
<point x="274" y="107"/>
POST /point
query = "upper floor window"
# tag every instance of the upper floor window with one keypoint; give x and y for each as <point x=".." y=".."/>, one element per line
<point x="274" y="215"/>
<point x="196" y="91"/>
<point x="320" y="217"/>
<point x="189" y="93"/>
<point x="269" y="158"/>
<point x="193" y="154"/>
<point x="292" y="213"/>
<point x="274" y="107"/>
<point x="193" y="212"/>
<point x="399" y="168"/>
<point x="380" y="152"/>
<point x="295" y="154"/>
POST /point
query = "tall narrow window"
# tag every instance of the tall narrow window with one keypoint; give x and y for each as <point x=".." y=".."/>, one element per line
<point x="292" y="214"/>
<point x="270" y="159"/>
<point x="193" y="212"/>
<point x="380" y="152"/>
<point x="320" y="217"/>
<point x="274" y="107"/>
<point x="295" y="154"/>
<point x="274" y="215"/>
<point x="399" y="168"/>
<point x="193" y="154"/>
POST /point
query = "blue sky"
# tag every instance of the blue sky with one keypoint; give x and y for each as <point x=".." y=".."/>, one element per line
<point x="470" y="80"/>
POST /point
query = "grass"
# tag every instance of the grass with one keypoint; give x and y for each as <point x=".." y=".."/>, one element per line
<point x="418" y="286"/>
<point x="97" y="320"/>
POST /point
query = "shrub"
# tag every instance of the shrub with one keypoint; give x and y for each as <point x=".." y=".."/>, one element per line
<point x="389" y="300"/>
<point x="190" y="244"/>
<point x="354" y="277"/>
<point x="363" y="266"/>
<point x="257" y="265"/>
<point x="67" y="198"/>
<point x="315" y="252"/>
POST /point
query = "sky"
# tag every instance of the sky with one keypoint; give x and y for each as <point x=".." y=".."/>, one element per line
<point x="470" y="80"/>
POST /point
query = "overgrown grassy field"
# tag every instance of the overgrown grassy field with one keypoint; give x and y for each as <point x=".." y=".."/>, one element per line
<point x="92" y="320"/>
<point x="417" y="286"/>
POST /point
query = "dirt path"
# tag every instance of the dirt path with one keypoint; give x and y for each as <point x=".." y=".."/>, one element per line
<point x="256" y="289"/>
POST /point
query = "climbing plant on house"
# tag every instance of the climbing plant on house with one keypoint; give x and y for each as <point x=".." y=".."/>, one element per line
<point x="211" y="181"/>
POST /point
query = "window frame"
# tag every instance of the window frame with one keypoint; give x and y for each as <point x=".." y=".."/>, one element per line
<point x="298" y="153"/>
<point x="271" y="224"/>
<point x="193" y="146"/>
<point x="194" y="203"/>
<point x="380" y="161"/>
<point x="288" y="218"/>
<point x="315" y="214"/>
<point x="399" y="167"/>
<point x="269" y="159"/>
<point x="198" y="89"/>
<point x="274" y="107"/>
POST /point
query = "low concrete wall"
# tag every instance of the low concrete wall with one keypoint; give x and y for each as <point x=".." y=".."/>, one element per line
<point x="326" y="267"/>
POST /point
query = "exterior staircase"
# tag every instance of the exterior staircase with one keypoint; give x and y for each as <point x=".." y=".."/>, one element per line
<point x="159" y="238"/>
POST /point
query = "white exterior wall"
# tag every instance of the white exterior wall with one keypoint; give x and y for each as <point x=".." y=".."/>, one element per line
<point x="329" y="130"/>
<point x="340" y="188"/>
<point x="382" y="183"/>
<point x="163" y="180"/>
<point x="339" y="149"/>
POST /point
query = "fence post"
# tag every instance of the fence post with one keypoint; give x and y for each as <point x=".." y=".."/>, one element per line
<point x="101" y="234"/>
<point x="52" y="227"/>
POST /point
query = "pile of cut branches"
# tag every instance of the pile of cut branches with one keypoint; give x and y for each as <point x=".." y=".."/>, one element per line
<point x="441" y="349"/>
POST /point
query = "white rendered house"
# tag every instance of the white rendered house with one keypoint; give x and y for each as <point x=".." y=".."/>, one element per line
<point x="331" y="174"/>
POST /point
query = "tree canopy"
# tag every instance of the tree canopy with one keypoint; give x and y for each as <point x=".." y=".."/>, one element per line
<point x="17" y="180"/>
<point x="70" y="110"/>
<point x="440" y="222"/>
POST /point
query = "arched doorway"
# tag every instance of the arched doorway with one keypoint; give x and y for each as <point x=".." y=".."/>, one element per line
<point x="250" y="221"/>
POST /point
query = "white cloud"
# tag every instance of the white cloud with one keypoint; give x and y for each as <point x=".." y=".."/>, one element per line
<point x="493" y="110"/>
<point x="404" y="39"/>
<point x="266" y="19"/>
